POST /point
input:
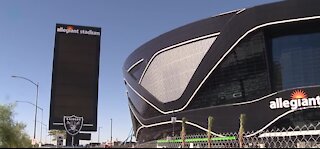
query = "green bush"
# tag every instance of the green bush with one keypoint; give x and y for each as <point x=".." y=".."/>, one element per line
<point x="12" y="134"/>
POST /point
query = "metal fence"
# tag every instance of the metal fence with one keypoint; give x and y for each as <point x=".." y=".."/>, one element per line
<point x="307" y="136"/>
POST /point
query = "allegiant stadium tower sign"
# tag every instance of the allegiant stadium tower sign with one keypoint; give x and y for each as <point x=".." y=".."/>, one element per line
<point x="72" y="30"/>
<point x="298" y="99"/>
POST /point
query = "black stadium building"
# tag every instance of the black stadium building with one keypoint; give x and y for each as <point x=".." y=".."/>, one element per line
<point x="262" y="61"/>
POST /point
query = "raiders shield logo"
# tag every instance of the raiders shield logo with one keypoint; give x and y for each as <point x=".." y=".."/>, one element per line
<point x="72" y="124"/>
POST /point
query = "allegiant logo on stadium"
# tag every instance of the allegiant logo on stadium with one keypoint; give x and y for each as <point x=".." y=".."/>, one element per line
<point x="299" y="99"/>
<point x="70" y="29"/>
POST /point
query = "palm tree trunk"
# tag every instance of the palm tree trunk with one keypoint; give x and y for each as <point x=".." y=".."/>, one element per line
<point x="183" y="132"/>
<point x="241" y="129"/>
<point x="210" y="123"/>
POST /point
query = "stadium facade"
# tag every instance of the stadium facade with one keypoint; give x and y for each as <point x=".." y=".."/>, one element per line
<point x="262" y="61"/>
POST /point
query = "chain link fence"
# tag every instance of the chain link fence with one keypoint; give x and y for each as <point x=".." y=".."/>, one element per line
<point x="307" y="136"/>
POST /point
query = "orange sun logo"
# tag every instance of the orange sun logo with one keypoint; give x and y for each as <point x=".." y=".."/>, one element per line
<point x="298" y="94"/>
<point x="69" y="27"/>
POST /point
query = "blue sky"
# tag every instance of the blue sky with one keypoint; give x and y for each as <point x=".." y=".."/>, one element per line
<point x="27" y="32"/>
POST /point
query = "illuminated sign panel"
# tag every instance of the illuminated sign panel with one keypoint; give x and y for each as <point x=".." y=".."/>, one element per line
<point x="75" y="75"/>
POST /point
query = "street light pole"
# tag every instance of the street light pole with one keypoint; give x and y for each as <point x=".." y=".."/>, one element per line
<point x="35" y="115"/>
<point x="46" y="138"/>
<point x="41" y="126"/>
<point x="41" y="115"/>
<point x="111" y="132"/>
<point x="36" y="111"/>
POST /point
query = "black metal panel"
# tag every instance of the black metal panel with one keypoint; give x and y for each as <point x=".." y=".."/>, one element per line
<point x="237" y="27"/>
<point x="226" y="117"/>
<point x="75" y="75"/>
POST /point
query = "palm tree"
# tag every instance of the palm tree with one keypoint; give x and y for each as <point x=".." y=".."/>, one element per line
<point x="241" y="129"/>
<point x="210" y="124"/>
<point x="183" y="132"/>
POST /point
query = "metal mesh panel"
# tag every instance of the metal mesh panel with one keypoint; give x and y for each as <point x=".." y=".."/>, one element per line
<point x="170" y="72"/>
